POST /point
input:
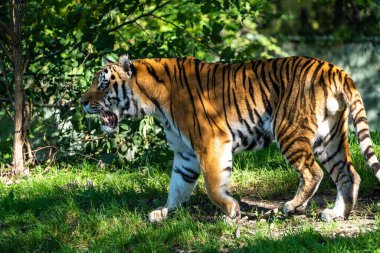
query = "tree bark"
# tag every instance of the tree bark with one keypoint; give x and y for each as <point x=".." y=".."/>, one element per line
<point x="19" y="169"/>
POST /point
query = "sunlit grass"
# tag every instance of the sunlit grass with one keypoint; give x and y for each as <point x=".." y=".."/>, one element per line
<point x="86" y="208"/>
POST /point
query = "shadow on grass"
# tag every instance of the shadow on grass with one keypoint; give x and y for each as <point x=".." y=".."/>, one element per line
<point x="86" y="199"/>
<point x="312" y="241"/>
<point x="55" y="218"/>
<point x="185" y="235"/>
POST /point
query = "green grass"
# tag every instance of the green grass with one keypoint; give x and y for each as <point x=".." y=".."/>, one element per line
<point x="86" y="208"/>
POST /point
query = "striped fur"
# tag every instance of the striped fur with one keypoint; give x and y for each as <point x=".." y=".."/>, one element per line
<point x="212" y="110"/>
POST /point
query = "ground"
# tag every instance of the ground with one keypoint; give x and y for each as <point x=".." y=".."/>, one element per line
<point x="362" y="219"/>
<point x="84" y="207"/>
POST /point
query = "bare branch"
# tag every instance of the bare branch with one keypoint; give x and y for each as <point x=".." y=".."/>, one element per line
<point x="75" y="46"/>
<point x="107" y="31"/>
<point x="7" y="112"/>
<point x="147" y="34"/>
<point x="5" y="100"/>
<point x="4" y="29"/>
<point x="137" y="18"/>
<point x="5" y="81"/>
<point x="183" y="29"/>
<point x="6" y="52"/>
<point x="55" y="105"/>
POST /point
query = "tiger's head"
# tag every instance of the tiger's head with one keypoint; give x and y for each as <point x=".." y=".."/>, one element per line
<point x="111" y="96"/>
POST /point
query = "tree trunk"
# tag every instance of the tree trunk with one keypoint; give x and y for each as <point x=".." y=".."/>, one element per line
<point x="19" y="168"/>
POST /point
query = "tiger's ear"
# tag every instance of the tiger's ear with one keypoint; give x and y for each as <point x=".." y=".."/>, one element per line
<point x="126" y="64"/>
<point x="106" y="61"/>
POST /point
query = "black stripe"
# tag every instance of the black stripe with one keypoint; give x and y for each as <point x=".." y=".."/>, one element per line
<point x="275" y="81"/>
<point x="196" y="61"/>
<point x="187" y="178"/>
<point x="240" y="118"/>
<point x="263" y="76"/>
<point x="229" y="84"/>
<point x="362" y="131"/>
<point x="236" y="70"/>
<point x="167" y="71"/>
<point x="208" y="81"/>
<point x="264" y="97"/>
<point x="228" y="169"/>
<point x="365" y="136"/>
<point x="224" y="102"/>
<point x="250" y="112"/>
<point x="376" y="167"/>
<point x="361" y="119"/>
<point x="252" y="144"/>
<point x="124" y="90"/>
<point x="191" y="171"/>
<point x="154" y="101"/>
<point x="243" y="138"/>
<point x="179" y="71"/>
<point x="244" y="76"/>
<point x="204" y="110"/>
<point x="116" y="88"/>
<point x="328" y="159"/>
<point x="315" y="73"/>
<point x="335" y="166"/>
<point x="216" y="66"/>
<point x="361" y="110"/>
<point x="261" y="122"/>
<point x="335" y="130"/>
<point x="285" y="137"/>
<point x="251" y="91"/>
<point x="193" y="103"/>
<point x="152" y="72"/>
<point x="183" y="156"/>
<point x="368" y="152"/>
<point x="285" y="149"/>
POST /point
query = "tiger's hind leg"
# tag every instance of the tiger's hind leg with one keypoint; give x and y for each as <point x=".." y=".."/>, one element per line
<point x="296" y="148"/>
<point x="332" y="149"/>
<point x="216" y="166"/>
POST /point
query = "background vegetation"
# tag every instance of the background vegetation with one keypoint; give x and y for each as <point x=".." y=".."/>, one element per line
<point x="91" y="192"/>
<point x="63" y="41"/>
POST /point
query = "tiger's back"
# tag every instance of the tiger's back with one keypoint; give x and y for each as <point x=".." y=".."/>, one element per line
<point x="211" y="110"/>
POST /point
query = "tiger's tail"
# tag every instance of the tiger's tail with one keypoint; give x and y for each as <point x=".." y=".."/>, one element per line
<point x="359" y="117"/>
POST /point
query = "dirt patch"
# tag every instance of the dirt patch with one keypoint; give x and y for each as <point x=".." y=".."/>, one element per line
<point x="257" y="212"/>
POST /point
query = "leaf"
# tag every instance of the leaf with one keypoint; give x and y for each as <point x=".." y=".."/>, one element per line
<point x="105" y="41"/>
<point x="206" y="7"/>
<point x="206" y="30"/>
<point x="215" y="36"/>
<point x="227" y="54"/>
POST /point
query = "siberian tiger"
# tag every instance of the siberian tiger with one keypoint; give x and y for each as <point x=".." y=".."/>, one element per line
<point x="210" y="111"/>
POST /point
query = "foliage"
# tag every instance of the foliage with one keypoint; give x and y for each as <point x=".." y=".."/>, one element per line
<point x="64" y="47"/>
<point x="63" y="41"/>
<point x="335" y="20"/>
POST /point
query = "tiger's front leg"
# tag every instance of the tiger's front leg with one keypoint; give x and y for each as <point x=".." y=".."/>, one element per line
<point x="184" y="177"/>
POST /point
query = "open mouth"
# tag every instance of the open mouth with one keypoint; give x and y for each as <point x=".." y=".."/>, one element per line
<point x="109" y="121"/>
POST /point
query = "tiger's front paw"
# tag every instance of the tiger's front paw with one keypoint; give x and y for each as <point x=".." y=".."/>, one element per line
<point x="290" y="209"/>
<point x="159" y="214"/>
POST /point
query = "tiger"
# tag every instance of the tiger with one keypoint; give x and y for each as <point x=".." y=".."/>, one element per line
<point x="210" y="111"/>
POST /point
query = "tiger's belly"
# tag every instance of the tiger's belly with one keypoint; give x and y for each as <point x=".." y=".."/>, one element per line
<point x="251" y="136"/>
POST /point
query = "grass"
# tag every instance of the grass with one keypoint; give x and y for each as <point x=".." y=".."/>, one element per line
<point x="85" y="208"/>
